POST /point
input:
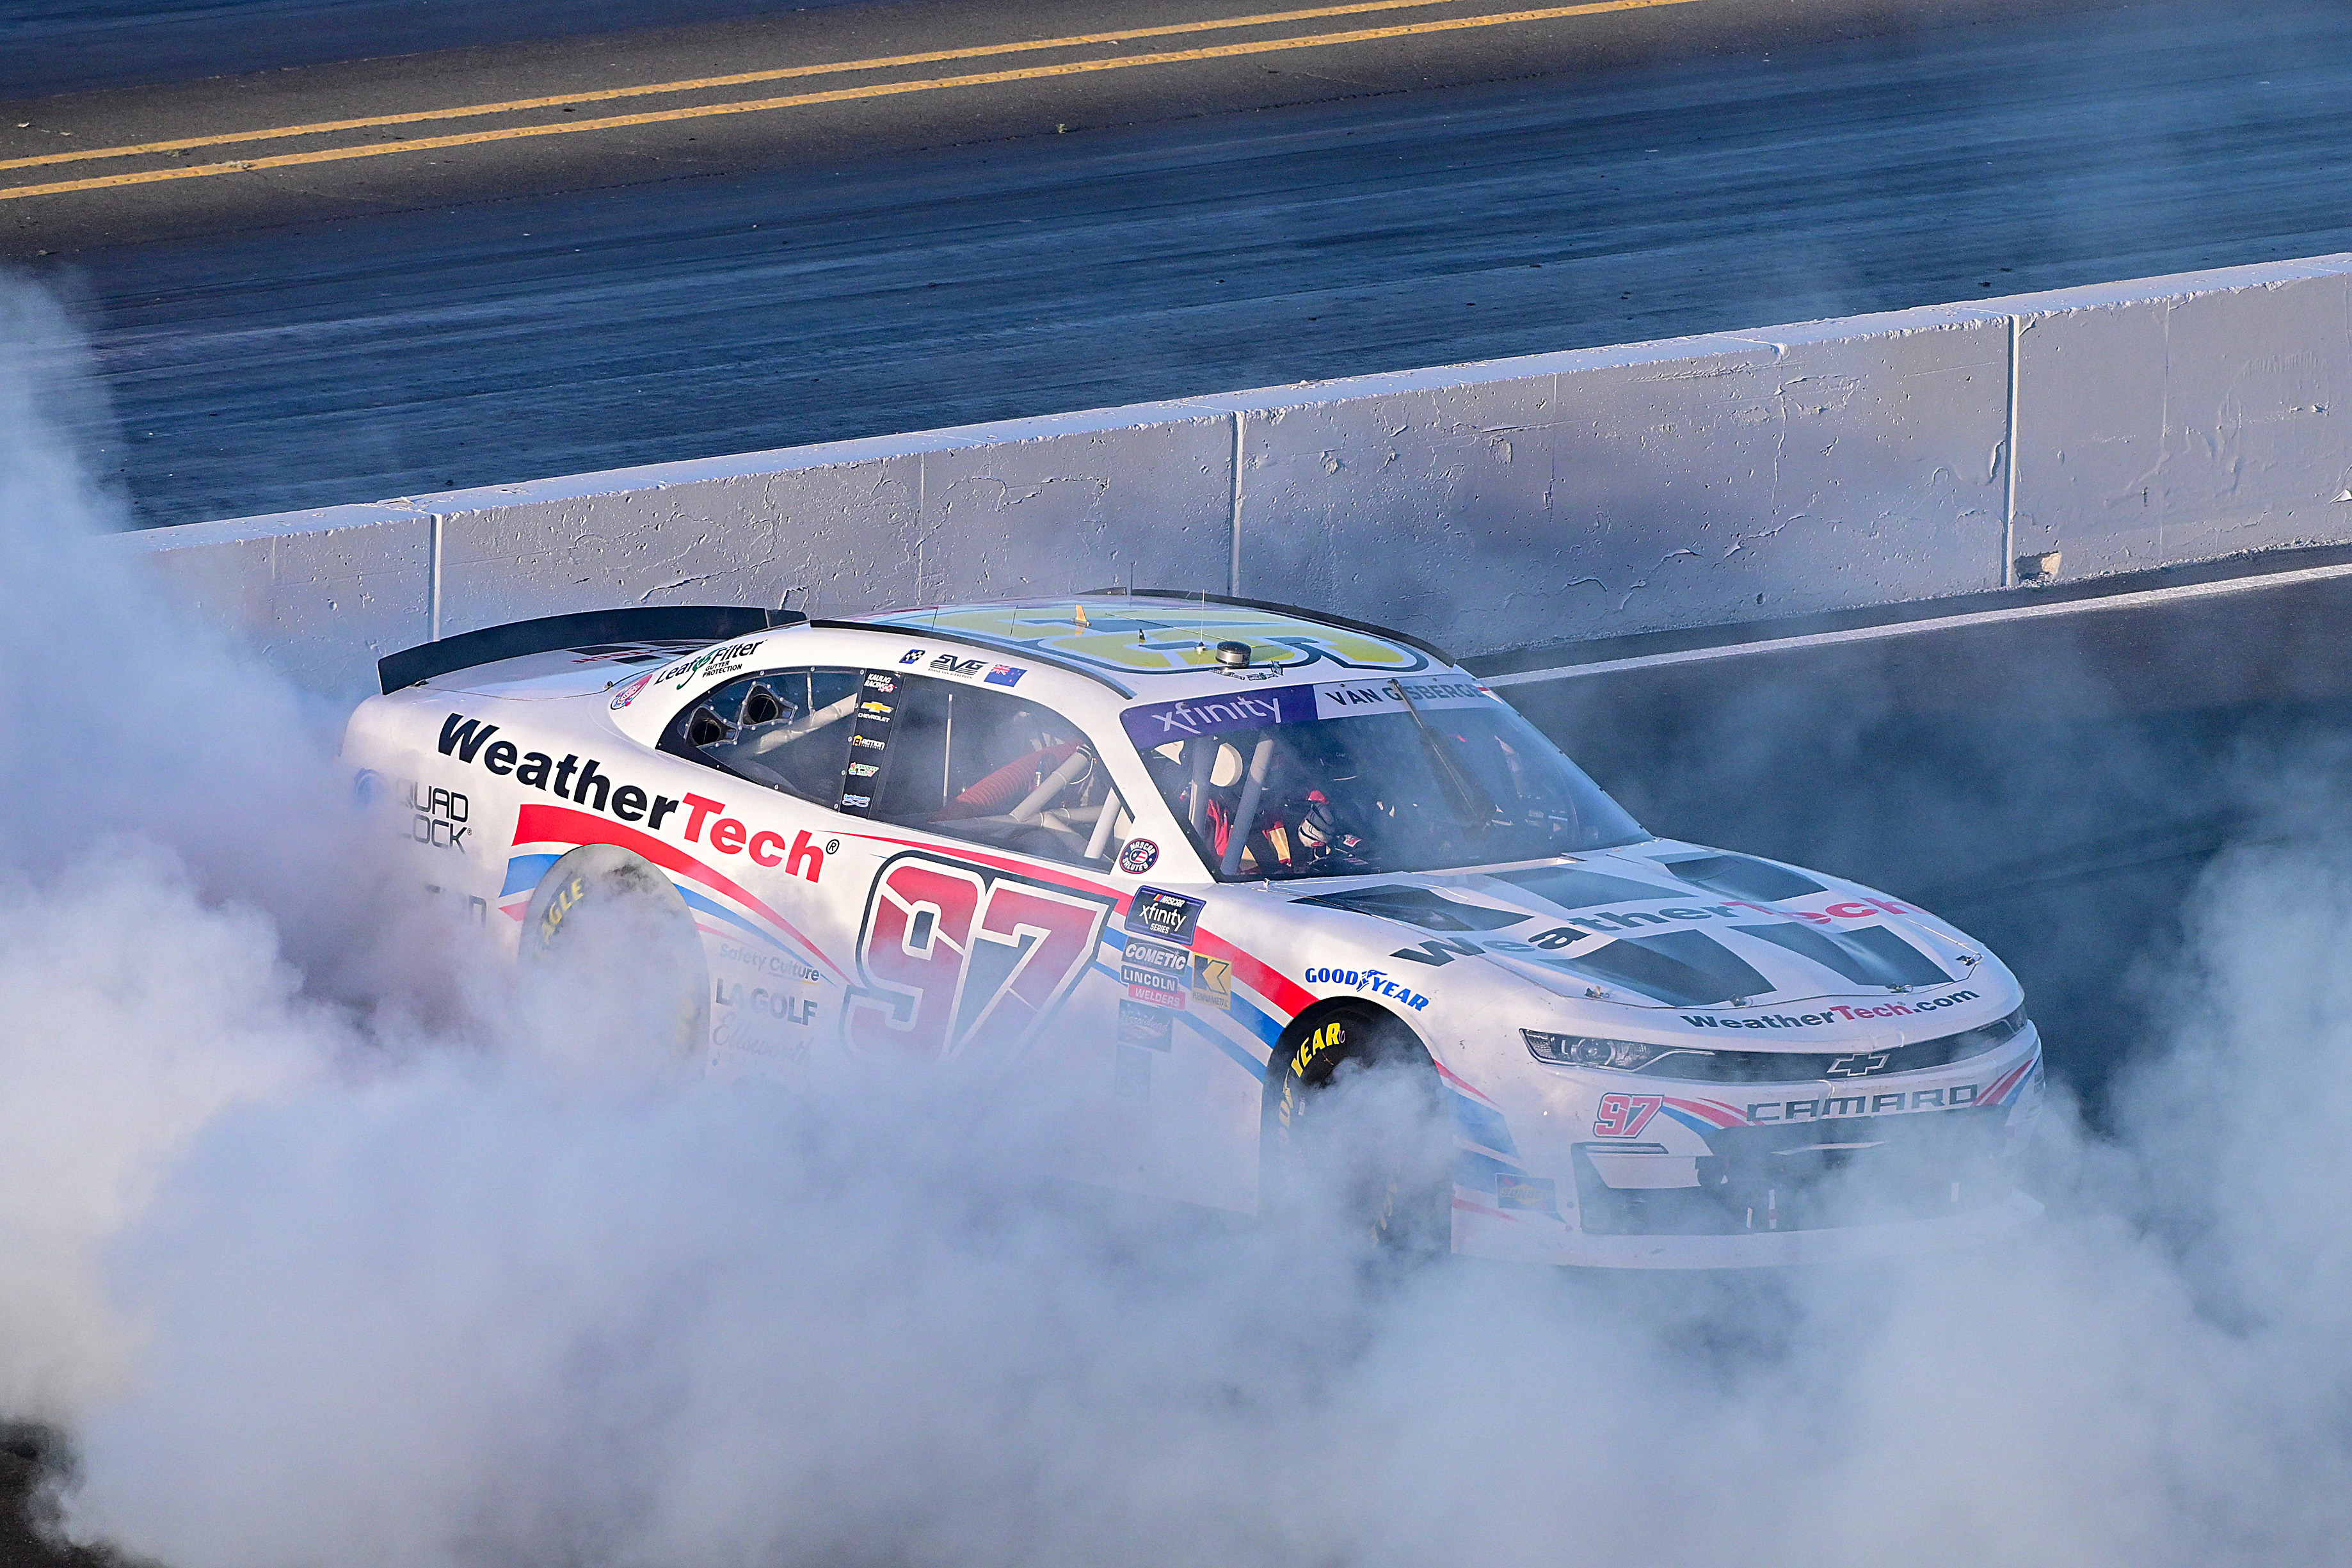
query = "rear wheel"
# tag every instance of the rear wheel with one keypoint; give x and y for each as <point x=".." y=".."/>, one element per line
<point x="1354" y="1127"/>
<point x="610" y="953"/>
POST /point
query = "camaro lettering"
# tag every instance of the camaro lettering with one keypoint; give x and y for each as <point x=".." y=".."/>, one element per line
<point x="1827" y="1108"/>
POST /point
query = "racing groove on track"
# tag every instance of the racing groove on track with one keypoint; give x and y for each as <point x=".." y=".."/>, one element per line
<point x="504" y="341"/>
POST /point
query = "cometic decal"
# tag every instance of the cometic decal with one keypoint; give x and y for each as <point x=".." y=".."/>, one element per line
<point x="1159" y="976"/>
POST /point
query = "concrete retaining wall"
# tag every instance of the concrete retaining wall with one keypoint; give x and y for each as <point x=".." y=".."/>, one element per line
<point x="1832" y="466"/>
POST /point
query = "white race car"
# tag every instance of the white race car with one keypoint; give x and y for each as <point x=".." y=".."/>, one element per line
<point x="1193" y="859"/>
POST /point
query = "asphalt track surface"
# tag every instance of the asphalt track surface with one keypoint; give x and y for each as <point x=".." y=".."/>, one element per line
<point x="401" y="323"/>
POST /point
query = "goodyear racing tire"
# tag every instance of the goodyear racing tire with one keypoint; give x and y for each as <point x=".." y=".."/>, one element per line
<point x="603" y="916"/>
<point x="1354" y="1125"/>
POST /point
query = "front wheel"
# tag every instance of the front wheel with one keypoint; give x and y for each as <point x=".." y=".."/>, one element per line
<point x="1355" y="1129"/>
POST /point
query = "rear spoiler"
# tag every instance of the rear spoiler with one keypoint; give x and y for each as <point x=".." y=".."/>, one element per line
<point x="648" y="622"/>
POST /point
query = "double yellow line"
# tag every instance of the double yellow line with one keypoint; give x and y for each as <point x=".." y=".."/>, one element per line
<point x="794" y="100"/>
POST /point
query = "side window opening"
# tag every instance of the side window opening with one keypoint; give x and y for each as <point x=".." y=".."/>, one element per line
<point x="785" y="729"/>
<point x="999" y="770"/>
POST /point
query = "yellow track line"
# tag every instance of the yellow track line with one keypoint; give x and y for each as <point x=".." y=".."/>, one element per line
<point x="697" y="84"/>
<point x="1591" y="7"/>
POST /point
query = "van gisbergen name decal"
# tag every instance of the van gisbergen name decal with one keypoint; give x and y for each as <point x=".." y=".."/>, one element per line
<point x="586" y="785"/>
<point x="1156" y="725"/>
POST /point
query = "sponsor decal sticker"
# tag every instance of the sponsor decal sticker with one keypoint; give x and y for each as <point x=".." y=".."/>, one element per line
<point x="1525" y="1195"/>
<point x="912" y="656"/>
<point x="1372" y="982"/>
<point x="949" y="664"/>
<point x="781" y="1006"/>
<point x="869" y="731"/>
<point x="1170" y="917"/>
<point x="436" y="816"/>
<point x="1159" y="976"/>
<point x="1140" y="1024"/>
<point x="1139" y="856"/>
<point x="1827" y="1016"/>
<point x="627" y="692"/>
<point x="710" y="661"/>
<point x="769" y="963"/>
<point x="1158" y="723"/>
<point x="1213" y="982"/>
<point x="586" y="785"/>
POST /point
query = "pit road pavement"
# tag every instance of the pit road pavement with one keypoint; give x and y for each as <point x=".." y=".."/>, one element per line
<point x="402" y="322"/>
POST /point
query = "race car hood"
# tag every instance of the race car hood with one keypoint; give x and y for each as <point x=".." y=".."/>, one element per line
<point x="1666" y="926"/>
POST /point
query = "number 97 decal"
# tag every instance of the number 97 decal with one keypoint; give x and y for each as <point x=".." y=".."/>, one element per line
<point x="951" y="955"/>
<point x="1624" y="1115"/>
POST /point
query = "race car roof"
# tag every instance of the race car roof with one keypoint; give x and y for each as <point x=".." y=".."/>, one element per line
<point x="1125" y="636"/>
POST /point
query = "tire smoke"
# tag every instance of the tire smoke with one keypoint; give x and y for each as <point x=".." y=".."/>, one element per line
<point x="318" y="1258"/>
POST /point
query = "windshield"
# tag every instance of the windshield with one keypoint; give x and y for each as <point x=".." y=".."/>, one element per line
<point x="1421" y="774"/>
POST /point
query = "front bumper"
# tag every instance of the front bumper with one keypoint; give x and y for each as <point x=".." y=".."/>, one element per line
<point x="1715" y="1183"/>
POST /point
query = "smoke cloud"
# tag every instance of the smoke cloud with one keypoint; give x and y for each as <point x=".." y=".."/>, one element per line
<point x="325" y="1245"/>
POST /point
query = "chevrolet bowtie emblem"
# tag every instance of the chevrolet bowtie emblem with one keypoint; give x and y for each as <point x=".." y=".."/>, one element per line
<point x="1859" y="1065"/>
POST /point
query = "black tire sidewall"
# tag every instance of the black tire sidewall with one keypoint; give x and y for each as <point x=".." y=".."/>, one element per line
<point x="1414" y="1214"/>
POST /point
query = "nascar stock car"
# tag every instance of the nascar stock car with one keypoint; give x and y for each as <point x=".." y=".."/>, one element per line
<point x="1195" y="861"/>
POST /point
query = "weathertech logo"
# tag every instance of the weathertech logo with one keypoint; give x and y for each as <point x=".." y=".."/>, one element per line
<point x="586" y="785"/>
<point x="1826" y="1016"/>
